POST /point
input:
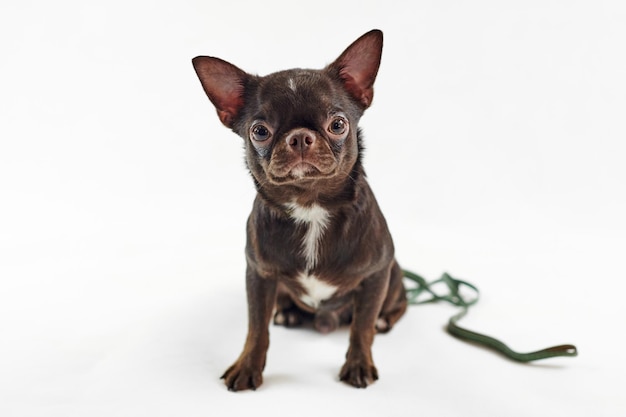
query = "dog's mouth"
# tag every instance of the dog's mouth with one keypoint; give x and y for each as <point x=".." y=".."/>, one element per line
<point x="301" y="169"/>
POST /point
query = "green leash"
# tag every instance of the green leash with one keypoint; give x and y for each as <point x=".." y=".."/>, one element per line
<point x="456" y="298"/>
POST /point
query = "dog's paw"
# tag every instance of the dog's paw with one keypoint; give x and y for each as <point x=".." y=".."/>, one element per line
<point x="382" y="325"/>
<point x="241" y="377"/>
<point x="359" y="374"/>
<point x="386" y="320"/>
<point x="291" y="317"/>
<point x="287" y="318"/>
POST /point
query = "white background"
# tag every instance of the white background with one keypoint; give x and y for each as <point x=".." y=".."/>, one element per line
<point x="495" y="146"/>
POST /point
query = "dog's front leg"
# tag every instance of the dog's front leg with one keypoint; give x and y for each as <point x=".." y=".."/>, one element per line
<point x="246" y="372"/>
<point x="359" y="369"/>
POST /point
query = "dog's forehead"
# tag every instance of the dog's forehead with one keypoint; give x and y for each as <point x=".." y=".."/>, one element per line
<point x="298" y="90"/>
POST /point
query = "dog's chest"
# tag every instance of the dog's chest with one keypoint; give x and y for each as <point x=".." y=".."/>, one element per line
<point x="315" y="219"/>
<point x="315" y="290"/>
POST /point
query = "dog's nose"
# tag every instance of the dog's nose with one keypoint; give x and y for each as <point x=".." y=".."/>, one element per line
<point x="301" y="139"/>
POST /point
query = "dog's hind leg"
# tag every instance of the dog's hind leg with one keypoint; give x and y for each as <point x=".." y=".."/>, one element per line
<point x="395" y="303"/>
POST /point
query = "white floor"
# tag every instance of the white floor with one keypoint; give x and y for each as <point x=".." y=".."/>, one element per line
<point x="495" y="146"/>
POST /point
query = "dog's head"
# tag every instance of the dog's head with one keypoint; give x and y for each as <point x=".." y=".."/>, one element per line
<point x="299" y="126"/>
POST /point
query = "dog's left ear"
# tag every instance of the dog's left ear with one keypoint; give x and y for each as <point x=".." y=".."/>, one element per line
<point x="358" y="65"/>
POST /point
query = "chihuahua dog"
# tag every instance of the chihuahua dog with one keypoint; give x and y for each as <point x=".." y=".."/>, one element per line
<point x="318" y="247"/>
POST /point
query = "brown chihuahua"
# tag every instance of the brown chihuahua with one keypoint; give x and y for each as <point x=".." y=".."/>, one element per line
<point x="318" y="247"/>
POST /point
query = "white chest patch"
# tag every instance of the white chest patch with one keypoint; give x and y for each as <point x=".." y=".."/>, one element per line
<point x="316" y="291"/>
<point x="316" y="220"/>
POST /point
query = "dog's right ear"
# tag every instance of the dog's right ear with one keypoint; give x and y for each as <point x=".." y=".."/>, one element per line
<point x="224" y="83"/>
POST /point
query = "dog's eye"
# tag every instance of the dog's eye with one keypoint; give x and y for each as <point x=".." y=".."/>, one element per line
<point x="260" y="132"/>
<point x="338" y="126"/>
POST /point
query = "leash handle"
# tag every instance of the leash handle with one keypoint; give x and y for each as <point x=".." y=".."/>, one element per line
<point x="455" y="297"/>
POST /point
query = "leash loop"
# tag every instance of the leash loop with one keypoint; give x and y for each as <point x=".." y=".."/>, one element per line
<point x="454" y="297"/>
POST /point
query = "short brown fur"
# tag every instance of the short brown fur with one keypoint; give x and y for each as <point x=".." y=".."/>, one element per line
<point x="304" y="152"/>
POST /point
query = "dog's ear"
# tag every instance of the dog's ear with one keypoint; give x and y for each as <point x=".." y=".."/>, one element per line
<point x="225" y="84"/>
<point x="358" y="65"/>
